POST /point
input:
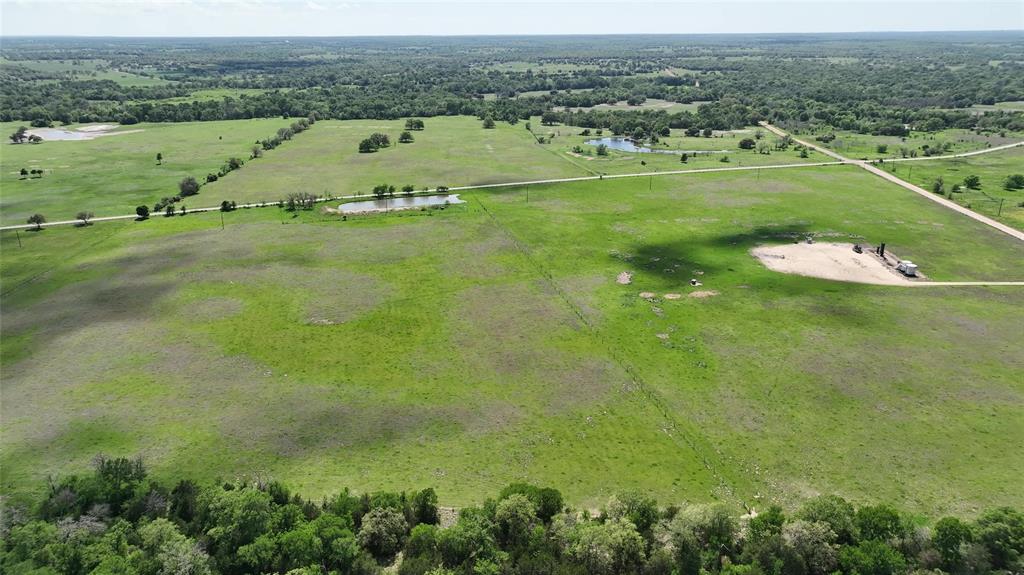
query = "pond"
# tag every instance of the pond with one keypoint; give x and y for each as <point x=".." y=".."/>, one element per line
<point x="82" y="133"/>
<point x="627" y="145"/>
<point x="57" y="134"/>
<point x="398" y="203"/>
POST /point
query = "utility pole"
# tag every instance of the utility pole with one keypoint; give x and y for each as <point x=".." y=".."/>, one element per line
<point x="222" y="219"/>
<point x="18" y="234"/>
<point x="1001" y="200"/>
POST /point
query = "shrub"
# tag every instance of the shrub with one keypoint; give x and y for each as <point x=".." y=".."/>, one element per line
<point x="1014" y="182"/>
<point x="383" y="532"/>
<point x="188" y="186"/>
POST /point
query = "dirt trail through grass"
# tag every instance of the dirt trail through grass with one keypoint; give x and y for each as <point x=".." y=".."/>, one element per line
<point x="916" y="189"/>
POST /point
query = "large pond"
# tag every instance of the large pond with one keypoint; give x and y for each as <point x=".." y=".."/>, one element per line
<point x="627" y="145"/>
<point x="399" y="203"/>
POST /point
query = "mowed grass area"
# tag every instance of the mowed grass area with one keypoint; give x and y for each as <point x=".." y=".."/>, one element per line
<point x="648" y="104"/>
<point x="702" y="152"/>
<point x="865" y="146"/>
<point x="1015" y="106"/>
<point x="992" y="169"/>
<point x="487" y="343"/>
<point x="211" y="94"/>
<point x="451" y="151"/>
<point x="110" y="175"/>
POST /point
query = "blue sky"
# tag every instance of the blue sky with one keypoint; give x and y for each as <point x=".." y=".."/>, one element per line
<point x="348" y="18"/>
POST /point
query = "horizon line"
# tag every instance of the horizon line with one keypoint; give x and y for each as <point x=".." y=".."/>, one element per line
<point x="528" y="35"/>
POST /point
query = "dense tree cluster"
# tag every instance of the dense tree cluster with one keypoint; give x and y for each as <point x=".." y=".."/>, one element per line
<point x="864" y="82"/>
<point x="375" y="142"/>
<point x="117" y="520"/>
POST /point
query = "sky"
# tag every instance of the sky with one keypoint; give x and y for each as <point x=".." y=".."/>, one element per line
<point x="495" y="17"/>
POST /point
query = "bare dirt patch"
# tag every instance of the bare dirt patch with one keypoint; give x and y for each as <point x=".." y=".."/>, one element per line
<point x="832" y="261"/>
<point x="700" y="294"/>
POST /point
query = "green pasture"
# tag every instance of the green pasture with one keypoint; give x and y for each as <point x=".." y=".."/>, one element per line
<point x="90" y="69"/>
<point x="1015" y="106"/>
<point x="649" y="104"/>
<point x="450" y="151"/>
<point x="210" y="94"/>
<point x="540" y="67"/>
<point x="991" y="198"/>
<point x="562" y="140"/>
<point x="489" y="342"/>
<point x="865" y="146"/>
<point x="110" y="175"/>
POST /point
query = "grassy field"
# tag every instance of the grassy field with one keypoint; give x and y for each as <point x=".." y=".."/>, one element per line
<point x="1017" y="106"/>
<point x="451" y="151"/>
<point x="564" y="139"/>
<point x="110" y="175"/>
<point x="87" y="70"/>
<point x="649" y="104"/>
<point x="210" y="94"/>
<point x="487" y="343"/>
<point x="540" y="67"/>
<point x="865" y="146"/>
<point x="991" y="168"/>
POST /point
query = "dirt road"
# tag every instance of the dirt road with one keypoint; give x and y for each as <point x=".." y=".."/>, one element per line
<point x="916" y="189"/>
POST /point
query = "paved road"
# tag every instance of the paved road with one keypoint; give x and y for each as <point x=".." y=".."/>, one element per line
<point x="916" y="189"/>
<point x="453" y="189"/>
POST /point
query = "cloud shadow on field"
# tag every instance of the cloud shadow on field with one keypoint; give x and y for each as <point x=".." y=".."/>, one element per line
<point x="676" y="258"/>
<point x="760" y="234"/>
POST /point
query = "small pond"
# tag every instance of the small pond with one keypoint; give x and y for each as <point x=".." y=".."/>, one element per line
<point x="57" y="134"/>
<point x="398" y="203"/>
<point x="627" y="145"/>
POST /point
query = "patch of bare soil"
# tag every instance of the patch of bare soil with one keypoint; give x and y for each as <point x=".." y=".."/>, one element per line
<point x="832" y="261"/>
<point x="624" y="278"/>
<point x="700" y="294"/>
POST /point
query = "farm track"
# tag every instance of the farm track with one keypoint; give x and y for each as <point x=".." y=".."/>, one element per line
<point x="916" y="189"/>
<point x="960" y="155"/>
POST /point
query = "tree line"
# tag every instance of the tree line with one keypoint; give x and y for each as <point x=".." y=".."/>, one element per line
<point x="872" y="84"/>
<point x="119" y="520"/>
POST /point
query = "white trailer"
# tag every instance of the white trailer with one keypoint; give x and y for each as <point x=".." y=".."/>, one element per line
<point x="907" y="268"/>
